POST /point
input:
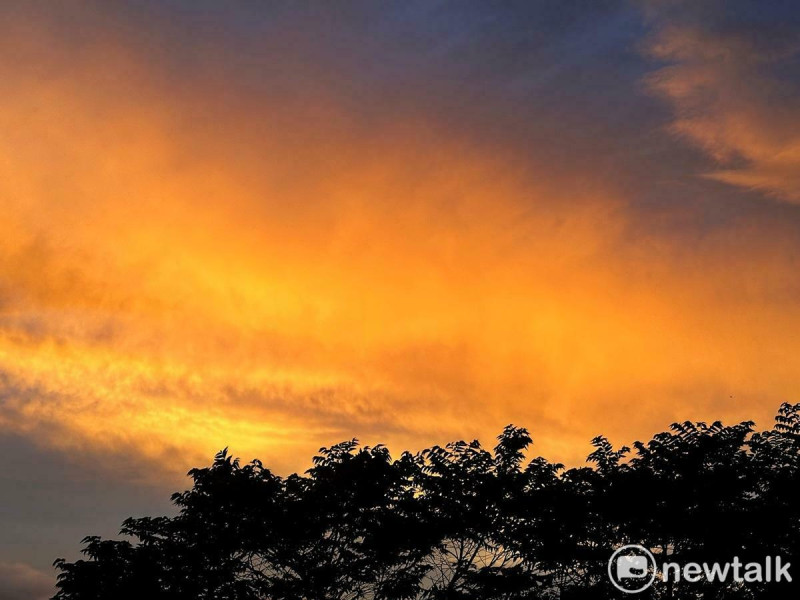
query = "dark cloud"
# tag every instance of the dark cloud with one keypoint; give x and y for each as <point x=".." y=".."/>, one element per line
<point x="19" y="581"/>
<point x="50" y="500"/>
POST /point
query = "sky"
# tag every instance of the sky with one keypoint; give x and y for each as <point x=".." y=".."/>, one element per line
<point x="275" y="226"/>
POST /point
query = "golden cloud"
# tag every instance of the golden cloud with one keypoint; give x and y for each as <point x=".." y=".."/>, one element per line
<point x="178" y="276"/>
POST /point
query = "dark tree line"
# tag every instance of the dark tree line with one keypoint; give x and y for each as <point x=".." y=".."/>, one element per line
<point x="461" y="522"/>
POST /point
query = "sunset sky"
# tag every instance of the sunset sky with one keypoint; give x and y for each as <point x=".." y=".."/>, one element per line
<point x="277" y="225"/>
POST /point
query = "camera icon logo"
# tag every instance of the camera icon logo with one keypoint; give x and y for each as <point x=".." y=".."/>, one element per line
<point x="632" y="569"/>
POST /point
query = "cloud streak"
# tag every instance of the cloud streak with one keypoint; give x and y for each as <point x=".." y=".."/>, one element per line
<point x="727" y="79"/>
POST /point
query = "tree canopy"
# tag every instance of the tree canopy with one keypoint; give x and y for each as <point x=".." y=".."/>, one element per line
<point x="461" y="522"/>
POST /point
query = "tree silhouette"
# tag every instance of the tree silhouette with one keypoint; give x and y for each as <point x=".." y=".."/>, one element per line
<point x="461" y="522"/>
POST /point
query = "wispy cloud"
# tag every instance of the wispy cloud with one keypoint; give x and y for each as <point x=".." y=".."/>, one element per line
<point x="728" y="75"/>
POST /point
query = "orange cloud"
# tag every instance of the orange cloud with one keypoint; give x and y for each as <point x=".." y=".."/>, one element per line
<point x="729" y="98"/>
<point x="179" y="276"/>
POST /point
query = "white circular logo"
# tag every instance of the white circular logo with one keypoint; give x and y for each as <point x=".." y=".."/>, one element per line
<point x="632" y="569"/>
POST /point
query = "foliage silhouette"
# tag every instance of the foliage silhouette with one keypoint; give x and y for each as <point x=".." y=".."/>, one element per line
<point x="460" y="522"/>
